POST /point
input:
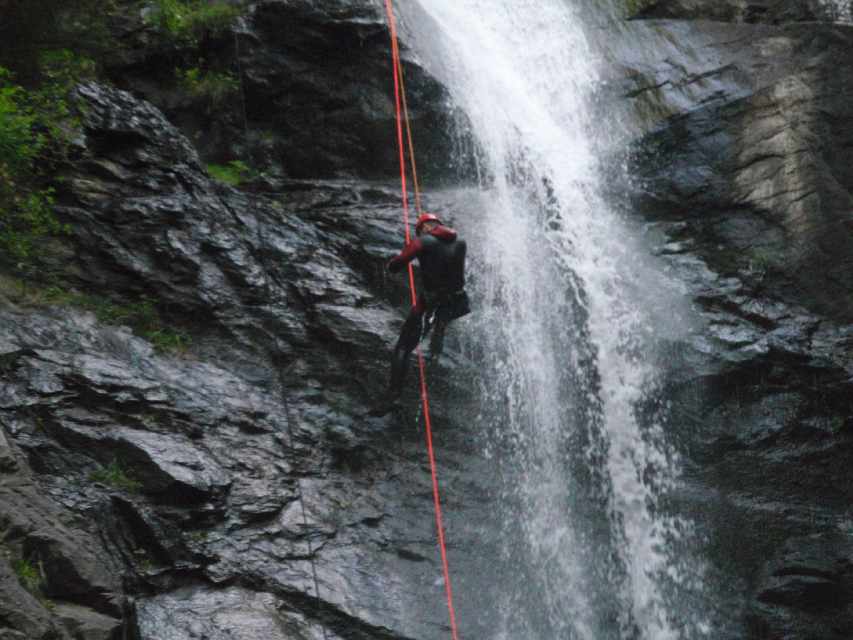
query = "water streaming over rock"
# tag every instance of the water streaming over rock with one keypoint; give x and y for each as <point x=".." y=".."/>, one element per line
<point x="568" y="332"/>
<point x="840" y="10"/>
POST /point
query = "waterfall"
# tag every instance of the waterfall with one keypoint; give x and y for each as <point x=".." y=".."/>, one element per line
<point x="838" y="10"/>
<point x="570" y="315"/>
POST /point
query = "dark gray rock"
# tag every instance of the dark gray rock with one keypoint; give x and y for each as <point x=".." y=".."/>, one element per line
<point x="285" y="298"/>
<point x="775" y="11"/>
<point x="8" y="461"/>
<point x="53" y="553"/>
<point x="812" y="576"/>
<point x="756" y="166"/>
<point x="50" y="538"/>
<point x="159" y="461"/>
<point x="197" y="248"/>
<point x="315" y="99"/>
<point x="85" y="624"/>
<point x="22" y="617"/>
<point x="740" y="130"/>
<point x="227" y="613"/>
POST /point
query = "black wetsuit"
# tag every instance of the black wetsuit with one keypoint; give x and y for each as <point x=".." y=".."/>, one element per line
<point x="442" y="298"/>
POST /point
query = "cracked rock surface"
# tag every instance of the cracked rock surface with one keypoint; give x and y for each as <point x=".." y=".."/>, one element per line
<point x="207" y="492"/>
<point x="742" y="127"/>
<point x="215" y="451"/>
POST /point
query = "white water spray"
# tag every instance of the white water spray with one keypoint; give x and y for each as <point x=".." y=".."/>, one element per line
<point x="568" y="311"/>
<point x="838" y="10"/>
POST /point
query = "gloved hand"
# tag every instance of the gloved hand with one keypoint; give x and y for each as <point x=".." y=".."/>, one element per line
<point x="393" y="265"/>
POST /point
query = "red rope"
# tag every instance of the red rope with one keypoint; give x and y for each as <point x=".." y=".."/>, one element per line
<point x="435" y="496"/>
<point x="415" y="182"/>
<point x="395" y="53"/>
<point x="398" y="80"/>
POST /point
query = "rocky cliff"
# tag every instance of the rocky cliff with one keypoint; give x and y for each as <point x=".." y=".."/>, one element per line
<point x="743" y="112"/>
<point x="207" y="476"/>
<point x="206" y="485"/>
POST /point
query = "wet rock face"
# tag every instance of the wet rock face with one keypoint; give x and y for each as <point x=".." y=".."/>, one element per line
<point x="207" y="612"/>
<point x="774" y="11"/>
<point x="197" y="247"/>
<point x="759" y="169"/>
<point x="170" y="495"/>
<point x="160" y="495"/>
<point x="740" y="159"/>
<point x="48" y="556"/>
<point x="334" y="115"/>
<point x="808" y="589"/>
<point x="315" y="99"/>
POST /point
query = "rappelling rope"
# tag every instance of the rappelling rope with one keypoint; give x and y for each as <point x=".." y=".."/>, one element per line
<point x="299" y="494"/>
<point x="395" y="54"/>
<point x="287" y="413"/>
<point x="415" y="182"/>
<point x="401" y="110"/>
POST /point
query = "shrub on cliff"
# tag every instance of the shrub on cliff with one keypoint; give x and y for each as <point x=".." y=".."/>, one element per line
<point x="29" y="28"/>
<point x="634" y="7"/>
<point x="26" y="213"/>
<point x="187" y="21"/>
<point x="234" y="173"/>
<point x="191" y="27"/>
<point x="36" y="127"/>
<point x="211" y="86"/>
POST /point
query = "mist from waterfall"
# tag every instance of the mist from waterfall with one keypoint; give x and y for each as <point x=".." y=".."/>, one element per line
<point x="570" y="315"/>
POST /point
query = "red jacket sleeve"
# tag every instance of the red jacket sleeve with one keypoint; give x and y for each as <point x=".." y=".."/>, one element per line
<point x="409" y="253"/>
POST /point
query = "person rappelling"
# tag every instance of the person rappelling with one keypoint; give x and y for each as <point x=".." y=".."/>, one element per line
<point x="440" y="253"/>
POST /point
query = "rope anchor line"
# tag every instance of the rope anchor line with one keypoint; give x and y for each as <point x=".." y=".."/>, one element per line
<point x="402" y="111"/>
<point x="300" y="495"/>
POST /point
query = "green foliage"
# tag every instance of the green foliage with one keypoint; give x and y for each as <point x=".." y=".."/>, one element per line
<point x="212" y="86"/>
<point x="141" y="316"/>
<point x="187" y="24"/>
<point x="65" y="68"/>
<point x="187" y="21"/>
<point x="635" y="6"/>
<point x="114" y="475"/>
<point x="29" y="27"/>
<point x="35" y="131"/>
<point x="18" y="145"/>
<point x="761" y="260"/>
<point x="29" y="575"/>
<point x="25" y="222"/>
<point x="198" y="536"/>
<point x="234" y="173"/>
<point x="168" y="340"/>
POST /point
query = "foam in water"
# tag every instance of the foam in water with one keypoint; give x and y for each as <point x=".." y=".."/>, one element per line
<point x="569" y="312"/>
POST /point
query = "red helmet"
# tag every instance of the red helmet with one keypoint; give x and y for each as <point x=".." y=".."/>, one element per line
<point x="424" y="218"/>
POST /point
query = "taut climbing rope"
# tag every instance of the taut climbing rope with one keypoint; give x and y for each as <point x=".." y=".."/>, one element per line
<point x="300" y="495"/>
<point x="402" y="110"/>
<point x="287" y="412"/>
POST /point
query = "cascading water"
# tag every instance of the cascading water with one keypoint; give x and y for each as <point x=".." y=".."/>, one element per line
<point x="569" y="312"/>
<point x="839" y="10"/>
